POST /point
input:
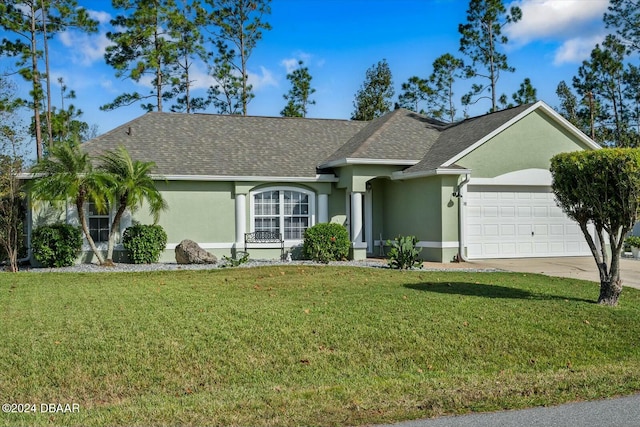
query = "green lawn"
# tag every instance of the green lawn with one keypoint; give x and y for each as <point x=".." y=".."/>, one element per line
<point x="306" y="345"/>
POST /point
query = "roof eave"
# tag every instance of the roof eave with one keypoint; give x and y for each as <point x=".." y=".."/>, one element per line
<point x="398" y="176"/>
<point x="317" y="178"/>
<point x="358" y="161"/>
<point x="323" y="177"/>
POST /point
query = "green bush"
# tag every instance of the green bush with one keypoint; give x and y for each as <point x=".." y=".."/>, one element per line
<point x="633" y="241"/>
<point x="326" y="242"/>
<point x="144" y="243"/>
<point x="240" y="258"/>
<point x="56" y="245"/>
<point x="404" y="253"/>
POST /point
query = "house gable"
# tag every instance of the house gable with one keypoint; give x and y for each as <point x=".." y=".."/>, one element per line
<point x="401" y="138"/>
<point x="528" y="143"/>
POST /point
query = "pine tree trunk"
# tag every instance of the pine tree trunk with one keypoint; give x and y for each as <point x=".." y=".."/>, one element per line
<point x="48" y="74"/>
<point x="37" y="89"/>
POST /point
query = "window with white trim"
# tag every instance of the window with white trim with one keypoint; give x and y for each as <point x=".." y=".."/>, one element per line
<point x="286" y="210"/>
<point x="99" y="223"/>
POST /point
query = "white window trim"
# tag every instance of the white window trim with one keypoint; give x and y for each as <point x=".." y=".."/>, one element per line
<point x="312" y="208"/>
<point x="103" y="246"/>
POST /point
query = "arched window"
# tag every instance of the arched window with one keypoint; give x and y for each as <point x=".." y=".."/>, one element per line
<point x="287" y="210"/>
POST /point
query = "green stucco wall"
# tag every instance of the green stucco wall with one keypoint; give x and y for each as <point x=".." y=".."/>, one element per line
<point x="200" y="211"/>
<point x="423" y="207"/>
<point x="355" y="177"/>
<point x="530" y="143"/>
<point x="337" y="210"/>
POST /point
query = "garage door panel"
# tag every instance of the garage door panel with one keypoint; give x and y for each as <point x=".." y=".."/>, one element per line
<point x="540" y="212"/>
<point x="525" y="248"/>
<point x="573" y="230"/>
<point x="556" y="213"/>
<point x="490" y="211"/>
<point x="557" y="230"/>
<point x="574" y="247"/>
<point x="507" y="247"/>
<point x="540" y="230"/>
<point x="491" y="249"/>
<point x="558" y="248"/>
<point x="490" y="230"/>
<point x="524" y="230"/>
<point x="508" y="211"/>
<point x="510" y="222"/>
<point x="541" y="248"/>
<point x="524" y="212"/>
<point x="474" y="211"/>
<point x="508" y="230"/>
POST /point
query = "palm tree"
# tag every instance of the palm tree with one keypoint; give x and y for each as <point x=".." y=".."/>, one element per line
<point x="131" y="186"/>
<point x="68" y="175"/>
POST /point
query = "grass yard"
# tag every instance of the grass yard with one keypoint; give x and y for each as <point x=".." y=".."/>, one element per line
<point x="306" y="345"/>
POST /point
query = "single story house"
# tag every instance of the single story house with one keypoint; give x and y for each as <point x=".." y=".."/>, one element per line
<point x="478" y="188"/>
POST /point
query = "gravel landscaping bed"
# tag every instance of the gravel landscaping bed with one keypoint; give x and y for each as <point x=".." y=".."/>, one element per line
<point x="123" y="267"/>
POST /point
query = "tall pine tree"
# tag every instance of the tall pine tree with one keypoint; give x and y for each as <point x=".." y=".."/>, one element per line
<point x="237" y="26"/>
<point x="142" y="46"/>
<point x="33" y="22"/>
<point x="373" y="99"/>
<point x="481" y="40"/>
<point x="298" y="97"/>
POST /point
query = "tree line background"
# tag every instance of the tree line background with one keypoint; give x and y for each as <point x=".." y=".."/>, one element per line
<point x="159" y="41"/>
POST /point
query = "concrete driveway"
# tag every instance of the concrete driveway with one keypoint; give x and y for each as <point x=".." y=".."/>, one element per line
<point x="574" y="267"/>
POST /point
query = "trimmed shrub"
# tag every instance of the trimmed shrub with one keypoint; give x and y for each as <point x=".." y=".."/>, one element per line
<point x="633" y="241"/>
<point x="144" y="243"/>
<point x="404" y="253"/>
<point x="56" y="245"/>
<point x="326" y="242"/>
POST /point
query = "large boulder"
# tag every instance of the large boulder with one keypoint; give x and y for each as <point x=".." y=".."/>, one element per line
<point x="189" y="252"/>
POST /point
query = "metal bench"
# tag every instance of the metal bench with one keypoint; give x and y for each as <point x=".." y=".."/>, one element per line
<point x="264" y="237"/>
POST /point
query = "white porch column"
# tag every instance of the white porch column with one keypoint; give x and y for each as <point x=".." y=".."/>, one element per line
<point x="241" y="218"/>
<point x="323" y="208"/>
<point x="356" y="218"/>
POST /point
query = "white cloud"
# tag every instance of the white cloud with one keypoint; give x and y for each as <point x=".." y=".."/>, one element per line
<point x="290" y="64"/>
<point x="556" y="19"/>
<point x="100" y="16"/>
<point x="263" y="80"/>
<point x="106" y="84"/>
<point x="576" y="50"/>
<point x="200" y="79"/>
<point x="85" y="49"/>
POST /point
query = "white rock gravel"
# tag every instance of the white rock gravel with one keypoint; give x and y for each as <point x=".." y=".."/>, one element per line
<point x="123" y="267"/>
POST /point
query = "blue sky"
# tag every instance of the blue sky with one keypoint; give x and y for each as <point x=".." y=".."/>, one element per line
<point x="338" y="40"/>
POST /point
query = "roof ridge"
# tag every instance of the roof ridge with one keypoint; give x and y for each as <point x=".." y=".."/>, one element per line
<point x="489" y="113"/>
<point x="387" y="118"/>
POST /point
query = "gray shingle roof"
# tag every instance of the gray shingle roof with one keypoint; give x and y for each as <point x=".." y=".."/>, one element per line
<point x="399" y="135"/>
<point x="205" y="144"/>
<point x="214" y="145"/>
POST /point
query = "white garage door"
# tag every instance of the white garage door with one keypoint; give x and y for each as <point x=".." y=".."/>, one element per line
<point x="518" y="222"/>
